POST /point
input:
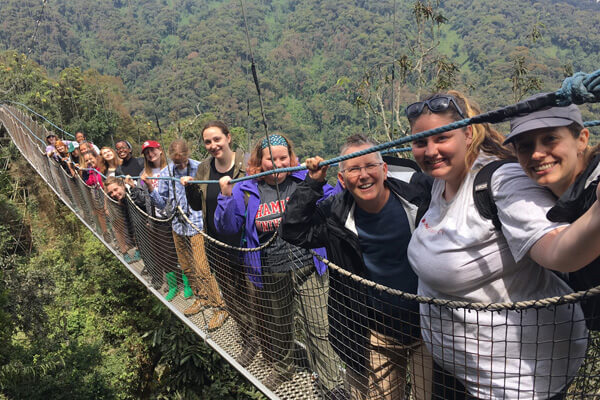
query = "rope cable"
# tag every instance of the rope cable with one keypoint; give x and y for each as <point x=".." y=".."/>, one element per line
<point x="37" y="25"/>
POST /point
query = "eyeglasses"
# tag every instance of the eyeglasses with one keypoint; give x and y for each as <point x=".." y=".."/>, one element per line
<point x="436" y="105"/>
<point x="355" y="171"/>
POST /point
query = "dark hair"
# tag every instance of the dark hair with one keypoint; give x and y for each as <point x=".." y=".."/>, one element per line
<point x="215" y="124"/>
<point x="485" y="137"/>
<point x="123" y="141"/>
<point x="590" y="151"/>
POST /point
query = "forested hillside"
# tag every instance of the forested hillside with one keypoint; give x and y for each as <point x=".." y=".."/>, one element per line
<point x="178" y="58"/>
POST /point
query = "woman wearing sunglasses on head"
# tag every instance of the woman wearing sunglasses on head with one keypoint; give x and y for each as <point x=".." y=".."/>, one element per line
<point x="460" y="255"/>
<point x="552" y="148"/>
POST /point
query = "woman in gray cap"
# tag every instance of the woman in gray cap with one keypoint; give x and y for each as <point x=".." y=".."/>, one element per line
<point x="552" y="148"/>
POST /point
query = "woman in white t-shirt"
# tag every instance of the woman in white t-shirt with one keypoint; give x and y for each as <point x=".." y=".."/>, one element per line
<point x="459" y="255"/>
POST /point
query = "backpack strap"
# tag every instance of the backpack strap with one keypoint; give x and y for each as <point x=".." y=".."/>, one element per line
<point x="482" y="191"/>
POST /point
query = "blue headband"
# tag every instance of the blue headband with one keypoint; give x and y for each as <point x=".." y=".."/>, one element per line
<point x="276" y="140"/>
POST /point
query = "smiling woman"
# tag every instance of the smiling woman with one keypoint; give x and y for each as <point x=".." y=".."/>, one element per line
<point x="290" y="285"/>
<point x="459" y="255"/>
<point x="552" y="147"/>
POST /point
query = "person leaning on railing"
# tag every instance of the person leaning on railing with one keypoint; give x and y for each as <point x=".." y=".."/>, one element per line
<point x="162" y="262"/>
<point x="366" y="230"/>
<point x="459" y="255"/>
<point x="223" y="161"/>
<point x="61" y="156"/>
<point x="123" y="229"/>
<point x="188" y="241"/>
<point x="288" y="279"/>
<point x="552" y="148"/>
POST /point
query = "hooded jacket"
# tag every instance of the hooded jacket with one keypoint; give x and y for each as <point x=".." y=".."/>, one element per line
<point x="236" y="213"/>
<point x="355" y="309"/>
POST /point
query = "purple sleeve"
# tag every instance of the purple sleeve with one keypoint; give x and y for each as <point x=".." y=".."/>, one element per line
<point x="230" y="212"/>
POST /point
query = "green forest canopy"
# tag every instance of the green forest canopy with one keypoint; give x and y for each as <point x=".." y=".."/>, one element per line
<point x="179" y="58"/>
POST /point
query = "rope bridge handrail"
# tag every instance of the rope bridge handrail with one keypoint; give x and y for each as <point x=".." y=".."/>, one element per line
<point x="577" y="89"/>
<point x="296" y="331"/>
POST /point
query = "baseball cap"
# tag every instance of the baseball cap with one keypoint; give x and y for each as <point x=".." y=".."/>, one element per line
<point x="73" y="146"/>
<point x="549" y="117"/>
<point x="150" y="144"/>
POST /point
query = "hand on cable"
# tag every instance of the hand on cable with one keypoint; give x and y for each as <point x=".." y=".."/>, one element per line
<point x="185" y="179"/>
<point x="226" y="187"/>
<point x="316" y="172"/>
<point x="146" y="179"/>
<point x="129" y="181"/>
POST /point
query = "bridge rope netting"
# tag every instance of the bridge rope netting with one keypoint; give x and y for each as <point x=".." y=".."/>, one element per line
<point x="299" y="326"/>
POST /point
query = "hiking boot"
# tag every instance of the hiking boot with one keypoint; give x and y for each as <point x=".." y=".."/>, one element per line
<point x="248" y="353"/>
<point x="195" y="308"/>
<point x="217" y="320"/>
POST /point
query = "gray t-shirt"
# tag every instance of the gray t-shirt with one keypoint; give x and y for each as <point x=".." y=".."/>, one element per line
<point x="279" y="256"/>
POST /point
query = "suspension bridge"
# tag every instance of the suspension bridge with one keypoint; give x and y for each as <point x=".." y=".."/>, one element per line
<point x="252" y="339"/>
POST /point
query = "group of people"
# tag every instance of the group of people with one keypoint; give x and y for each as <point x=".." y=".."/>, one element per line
<point x="425" y="233"/>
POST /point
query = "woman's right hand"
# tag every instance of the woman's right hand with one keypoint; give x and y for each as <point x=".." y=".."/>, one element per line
<point x="226" y="187"/>
<point x="185" y="179"/>
<point x="129" y="181"/>
<point x="144" y="177"/>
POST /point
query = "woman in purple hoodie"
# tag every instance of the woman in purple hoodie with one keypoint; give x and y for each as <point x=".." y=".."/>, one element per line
<point x="288" y="279"/>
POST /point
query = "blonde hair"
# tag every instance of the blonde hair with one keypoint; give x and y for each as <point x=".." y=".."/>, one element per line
<point x="104" y="165"/>
<point x="179" y="147"/>
<point x="485" y="137"/>
<point x="148" y="167"/>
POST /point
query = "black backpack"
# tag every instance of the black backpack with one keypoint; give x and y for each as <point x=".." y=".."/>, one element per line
<point x="482" y="191"/>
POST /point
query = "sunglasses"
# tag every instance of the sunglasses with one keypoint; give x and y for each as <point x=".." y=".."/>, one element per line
<point x="436" y="105"/>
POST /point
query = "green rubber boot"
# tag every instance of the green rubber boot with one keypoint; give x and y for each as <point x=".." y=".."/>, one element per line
<point x="187" y="290"/>
<point x="173" y="289"/>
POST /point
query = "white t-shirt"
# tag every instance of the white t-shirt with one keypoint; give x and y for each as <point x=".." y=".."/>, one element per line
<point x="458" y="255"/>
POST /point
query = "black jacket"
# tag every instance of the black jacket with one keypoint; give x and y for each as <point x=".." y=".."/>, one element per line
<point x="354" y="309"/>
<point x="578" y="198"/>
